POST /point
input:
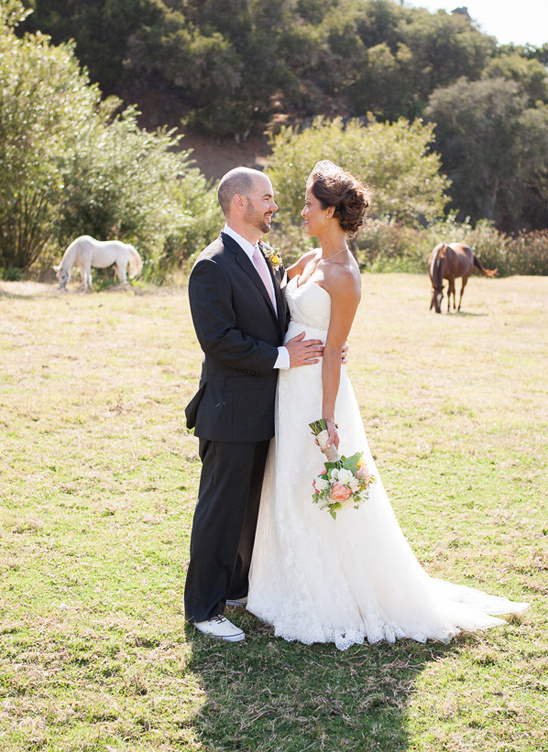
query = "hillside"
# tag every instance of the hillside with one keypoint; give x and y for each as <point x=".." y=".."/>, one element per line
<point x="224" y="71"/>
<point x="213" y="154"/>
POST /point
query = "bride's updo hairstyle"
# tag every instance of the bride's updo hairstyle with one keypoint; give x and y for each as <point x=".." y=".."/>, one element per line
<point x="335" y="187"/>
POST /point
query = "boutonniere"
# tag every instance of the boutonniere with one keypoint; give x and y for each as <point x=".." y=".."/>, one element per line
<point x="273" y="256"/>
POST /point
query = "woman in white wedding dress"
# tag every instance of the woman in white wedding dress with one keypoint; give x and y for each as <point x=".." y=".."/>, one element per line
<point x="316" y="579"/>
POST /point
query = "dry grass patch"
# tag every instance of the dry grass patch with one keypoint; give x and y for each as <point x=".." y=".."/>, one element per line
<point x="98" y="480"/>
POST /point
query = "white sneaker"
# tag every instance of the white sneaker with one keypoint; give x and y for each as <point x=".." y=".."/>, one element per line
<point x="220" y="627"/>
<point x="237" y="602"/>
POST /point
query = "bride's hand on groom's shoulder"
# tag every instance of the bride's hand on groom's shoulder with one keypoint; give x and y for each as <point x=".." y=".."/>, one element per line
<point x="304" y="352"/>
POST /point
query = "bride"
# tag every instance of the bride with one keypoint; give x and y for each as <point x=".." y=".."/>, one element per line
<point x="355" y="578"/>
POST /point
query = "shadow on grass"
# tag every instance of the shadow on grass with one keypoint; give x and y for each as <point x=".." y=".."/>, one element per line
<point x="29" y="290"/>
<point x="267" y="695"/>
<point x="463" y="314"/>
<point x="11" y="294"/>
<point x="53" y="291"/>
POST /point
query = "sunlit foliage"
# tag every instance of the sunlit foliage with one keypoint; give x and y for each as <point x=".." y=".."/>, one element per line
<point x="393" y="159"/>
<point x="72" y="164"/>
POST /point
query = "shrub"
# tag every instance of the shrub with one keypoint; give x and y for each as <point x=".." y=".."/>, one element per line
<point x="527" y="253"/>
<point x="119" y="183"/>
<point x="43" y="105"/>
<point x="199" y="219"/>
<point x="386" y="246"/>
<point x="393" y="159"/>
<point x="69" y="165"/>
<point x="490" y="245"/>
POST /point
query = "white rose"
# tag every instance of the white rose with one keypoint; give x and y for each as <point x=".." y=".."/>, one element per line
<point x="354" y="485"/>
<point x="321" y="484"/>
<point x="345" y="476"/>
<point x="334" y="474"/>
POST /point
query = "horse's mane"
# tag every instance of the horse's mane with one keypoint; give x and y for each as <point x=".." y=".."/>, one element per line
<point x="68" y="257"/>
<point x="436" y="268"/>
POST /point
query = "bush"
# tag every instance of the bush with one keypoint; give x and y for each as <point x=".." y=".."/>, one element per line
<point x="199" y="220"/>
<point x="393" y="159"/>
<point x="386" y="246"/>
<point x="389" y="247"/>
<point x="528" y="253"/>
<point x="70" y="166"/>
<point x="119" y="183"/>
<point x="43" y="105"/>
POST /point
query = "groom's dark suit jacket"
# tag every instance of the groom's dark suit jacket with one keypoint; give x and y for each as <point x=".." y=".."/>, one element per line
<point x="239" y="334"/>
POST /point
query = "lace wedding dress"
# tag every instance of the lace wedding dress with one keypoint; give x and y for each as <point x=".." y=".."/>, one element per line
<point x="355" y="578"/>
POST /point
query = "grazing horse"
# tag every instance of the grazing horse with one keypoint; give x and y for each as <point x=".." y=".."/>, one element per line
<point x="86" y="252"/>
<point x="448" y="261"/>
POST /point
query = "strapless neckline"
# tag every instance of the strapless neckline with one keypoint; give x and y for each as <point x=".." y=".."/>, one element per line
<point x="305" y="284"/>
<point x="308" y="308"/>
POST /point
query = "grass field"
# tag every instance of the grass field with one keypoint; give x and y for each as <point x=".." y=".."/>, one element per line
<point x="98" y="481"/>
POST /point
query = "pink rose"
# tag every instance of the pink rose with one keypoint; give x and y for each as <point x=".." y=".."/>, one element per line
<point x="362" y="473"/>
<point x="340" y="492"/>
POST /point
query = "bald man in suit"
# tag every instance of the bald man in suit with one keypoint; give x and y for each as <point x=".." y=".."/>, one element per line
<point x="240" y="317"/>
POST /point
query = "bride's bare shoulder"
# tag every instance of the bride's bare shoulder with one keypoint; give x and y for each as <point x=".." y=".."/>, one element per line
<point x="343" y="279"/>
<point x="299" y="265"/>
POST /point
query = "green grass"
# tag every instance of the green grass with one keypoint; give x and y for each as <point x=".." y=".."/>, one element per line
<point x="98" y="481"/>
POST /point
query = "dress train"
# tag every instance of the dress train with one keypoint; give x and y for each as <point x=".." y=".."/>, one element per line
<point x="355" y="578"/>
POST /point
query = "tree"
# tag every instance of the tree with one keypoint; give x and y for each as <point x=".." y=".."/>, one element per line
<point x="69" y="165"/>
<point x="532" y="161"/>
<point x="43" y="104"/>
<point x="528" y="51"/>
<point x="118" y="181"/>
<point x="12" y="13"/>
<point x="445" y="47"/>
<point x="393" y="159"/>
<point x="228" y="66"/>
<point x="530" y="75"/>
<point x="101" y="29"/>
<point x="384" y="86"/>
<point x="492" y="145"/>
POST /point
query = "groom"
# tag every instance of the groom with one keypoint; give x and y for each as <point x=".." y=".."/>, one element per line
<point x="240" y="318"/>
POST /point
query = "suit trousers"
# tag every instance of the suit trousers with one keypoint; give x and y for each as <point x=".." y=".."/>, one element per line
<point x="223" y="530"/>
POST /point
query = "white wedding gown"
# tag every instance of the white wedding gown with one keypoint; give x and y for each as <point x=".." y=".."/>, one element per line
<point x="355" y="578"/>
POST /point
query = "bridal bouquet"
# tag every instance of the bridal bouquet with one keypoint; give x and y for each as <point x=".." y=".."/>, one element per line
<point x="344" y="483"/>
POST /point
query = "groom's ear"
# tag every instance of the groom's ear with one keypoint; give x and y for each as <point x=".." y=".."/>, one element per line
<point x="239" y="202"/>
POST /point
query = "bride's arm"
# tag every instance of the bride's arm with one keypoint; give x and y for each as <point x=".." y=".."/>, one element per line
<point x="345" y="291"/>
<point x="298" y="266"/>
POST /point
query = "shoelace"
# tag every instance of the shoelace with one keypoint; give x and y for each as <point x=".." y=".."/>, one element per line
<point x="219" y="619"/>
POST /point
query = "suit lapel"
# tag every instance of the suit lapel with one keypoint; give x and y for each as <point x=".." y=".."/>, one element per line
<point x="248" y="267"/>
<point x="281" y="304"/>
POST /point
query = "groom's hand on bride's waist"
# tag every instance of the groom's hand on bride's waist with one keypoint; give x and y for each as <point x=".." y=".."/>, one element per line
<point x="304" y="352"/>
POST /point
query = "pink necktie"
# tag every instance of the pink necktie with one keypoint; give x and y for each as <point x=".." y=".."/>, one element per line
<point x="261" y="266"/>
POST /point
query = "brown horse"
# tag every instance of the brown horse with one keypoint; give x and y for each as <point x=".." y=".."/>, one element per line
<point x="448" y="261"/>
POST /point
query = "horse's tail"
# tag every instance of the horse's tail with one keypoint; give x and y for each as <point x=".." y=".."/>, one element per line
<point x="135" y="262"/>
<point x="483" y="270"/>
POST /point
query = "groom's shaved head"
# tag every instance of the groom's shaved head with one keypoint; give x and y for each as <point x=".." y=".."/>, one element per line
<point x="238" y="180"/>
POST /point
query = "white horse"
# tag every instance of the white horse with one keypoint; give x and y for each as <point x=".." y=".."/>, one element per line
<point x="86" y="252"/>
